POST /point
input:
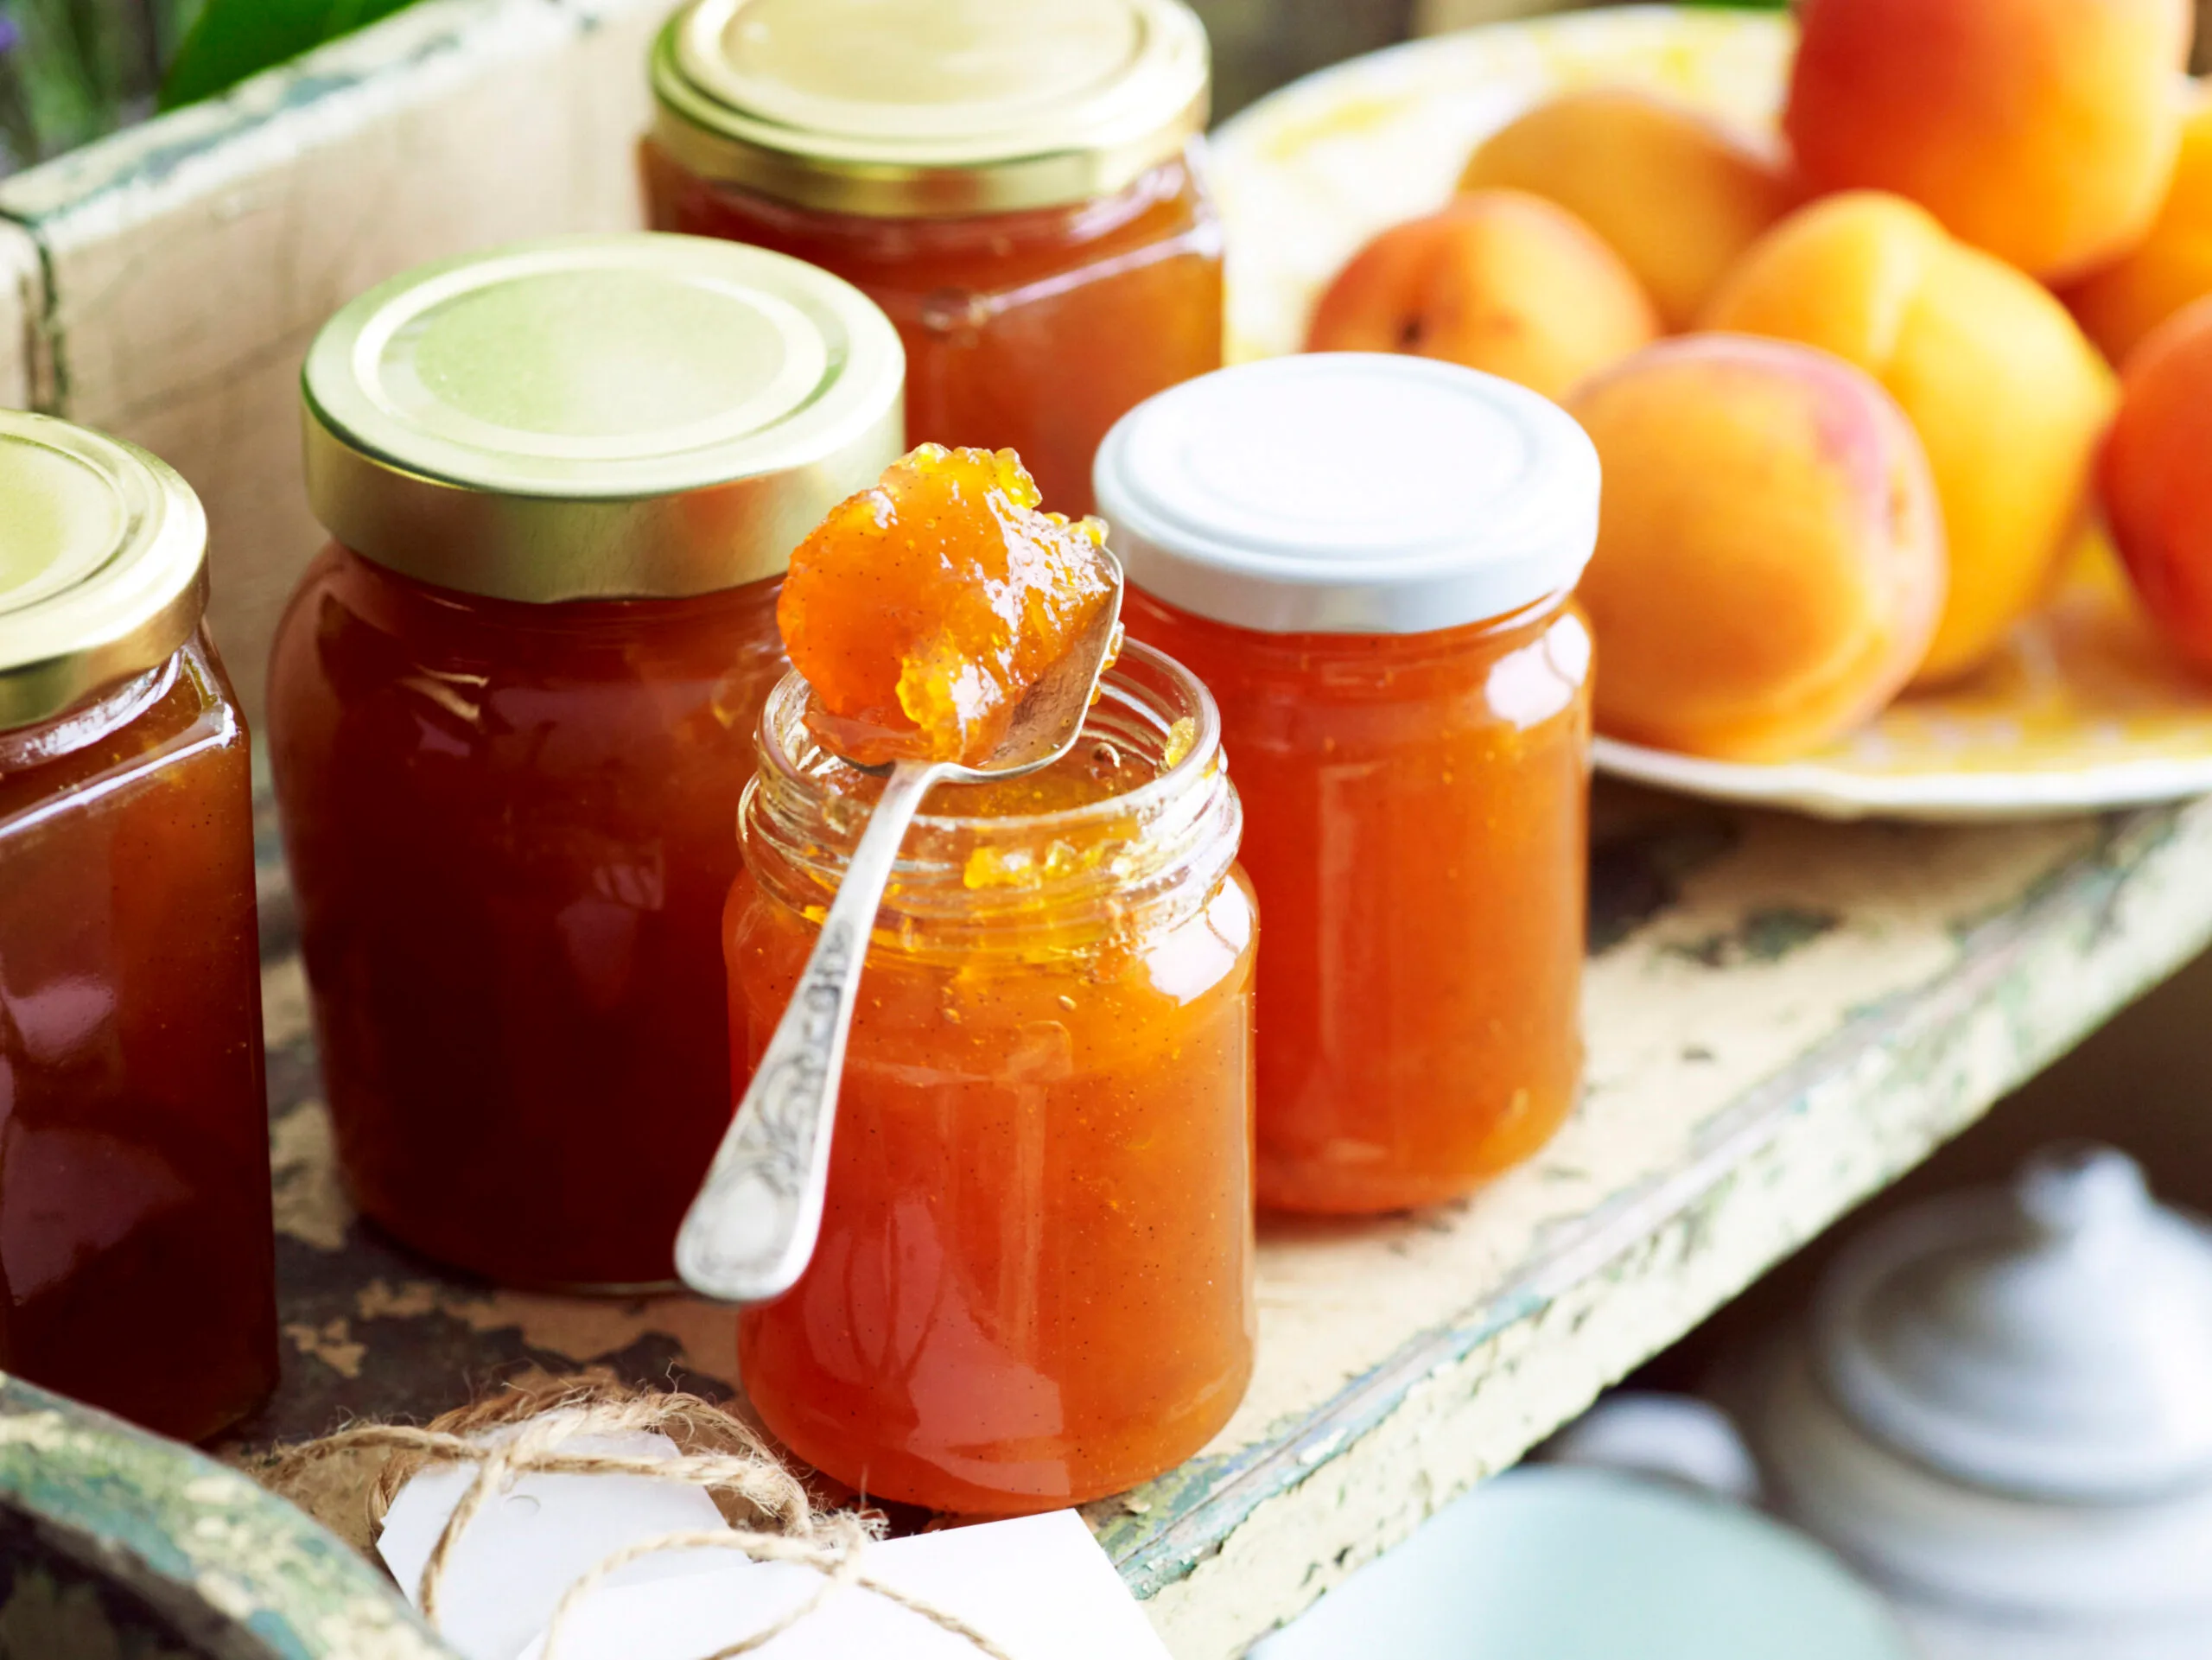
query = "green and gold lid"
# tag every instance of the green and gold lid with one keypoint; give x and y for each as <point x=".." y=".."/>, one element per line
<point x="929" y="108"/>
<point x="598" y="417"/>
<point x="103" y="564"/>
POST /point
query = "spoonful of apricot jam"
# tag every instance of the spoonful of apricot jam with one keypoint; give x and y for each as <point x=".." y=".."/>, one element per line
<point x="948" y="632"/>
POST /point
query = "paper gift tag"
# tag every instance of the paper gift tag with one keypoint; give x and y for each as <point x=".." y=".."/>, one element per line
<point x="527" y="1546"/>
<point x="1039" y="1587"/>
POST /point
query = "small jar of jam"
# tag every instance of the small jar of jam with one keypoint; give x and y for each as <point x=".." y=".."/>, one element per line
<point x="1032" y="1284"/>
<point x="136" y="1254"/>
<point x="512" y="710"/>
<point x="1015" y="182"/>
<point x="1370" y="561"/>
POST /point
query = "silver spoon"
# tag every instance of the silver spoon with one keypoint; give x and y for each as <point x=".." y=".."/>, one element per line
<point x="749" y="1234"/>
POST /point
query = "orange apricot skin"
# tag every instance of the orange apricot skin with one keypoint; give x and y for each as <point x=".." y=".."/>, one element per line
<point x="2172" y="266"/>
<point x="2008" y="396"/>
<point x="1678" y="197"/>
<point x="2155" y="475"/>
<point x="1770" y="564"/>
<point x="1499" y="281"/>
<point x="2041" y="130"/>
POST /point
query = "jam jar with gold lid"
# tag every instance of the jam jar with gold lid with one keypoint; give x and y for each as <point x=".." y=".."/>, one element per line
<point x="512" y="711"/>
<point x="1370" y="560"/>
<point x="1017" y="182"/>
<point x="137" y="1256"/>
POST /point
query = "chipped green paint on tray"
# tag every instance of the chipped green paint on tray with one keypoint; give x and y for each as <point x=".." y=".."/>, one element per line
<point x="1876" y="987"/>
<point x="119" y="1543"/>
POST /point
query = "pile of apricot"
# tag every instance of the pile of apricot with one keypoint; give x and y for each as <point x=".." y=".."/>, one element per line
<point x="1891" y="397"/>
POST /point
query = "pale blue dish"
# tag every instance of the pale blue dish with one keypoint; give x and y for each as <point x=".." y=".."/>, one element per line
<point x="1550" y="1562"/>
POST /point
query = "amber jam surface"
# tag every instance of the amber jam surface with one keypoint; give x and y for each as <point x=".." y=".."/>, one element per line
<point x="509" y="828"/>
<point x="1033" y="331"/>
<point x="1418" y="810"/>
<point x="1033" y="1281"/>
<point x="136" y="1248"/>
<point x="923" y="610"/>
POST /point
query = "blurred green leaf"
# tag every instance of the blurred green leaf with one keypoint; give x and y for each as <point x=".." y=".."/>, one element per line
<point x="234" y="39"/>
<point x="71" y="70"/>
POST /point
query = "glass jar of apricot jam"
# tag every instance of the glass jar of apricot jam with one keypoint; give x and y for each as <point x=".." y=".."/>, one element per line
<point x="1015" y="182"/>
<point x="136" y="1254"/>
<point x="1370" y="561"/>
<point x="512" y="710"/>
<point x="1032" y="1284"/>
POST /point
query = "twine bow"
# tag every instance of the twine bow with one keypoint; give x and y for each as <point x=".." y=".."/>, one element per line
<point x="739" y="1470"/>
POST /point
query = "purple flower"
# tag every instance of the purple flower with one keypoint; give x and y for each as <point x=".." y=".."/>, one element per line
<point x="9" y="33"/>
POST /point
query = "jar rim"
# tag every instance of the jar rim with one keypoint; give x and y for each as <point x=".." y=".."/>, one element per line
<point x="1033" y="884"/>
<point x="1193" y="765"/>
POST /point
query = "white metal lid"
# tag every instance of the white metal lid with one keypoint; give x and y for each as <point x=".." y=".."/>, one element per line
<point x="2053" y="1342"/>
<point x="1350" y="493"/>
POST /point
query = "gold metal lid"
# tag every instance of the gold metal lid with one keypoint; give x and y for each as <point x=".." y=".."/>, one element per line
<point x="904" y="109"/>
<point x="103" y="564"/>
<point x="598" y="417"/>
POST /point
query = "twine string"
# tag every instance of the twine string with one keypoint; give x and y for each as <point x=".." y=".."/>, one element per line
<point x="543" y="1419"/>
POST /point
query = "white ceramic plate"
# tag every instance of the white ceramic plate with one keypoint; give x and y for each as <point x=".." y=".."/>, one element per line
<point x="2085" y="709"/>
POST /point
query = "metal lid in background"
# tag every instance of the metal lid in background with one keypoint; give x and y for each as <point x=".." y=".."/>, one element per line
<point x="902" y="109"/>
<point x="103" y="564"/>
<point x="598" y="417"/>
<point x="1349" y="492"/>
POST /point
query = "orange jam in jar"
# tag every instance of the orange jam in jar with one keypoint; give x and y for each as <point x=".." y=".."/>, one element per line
<point x="511" y="714"/>
<point x="1369" y="560"/>
<point x="1032" y="1284"/>
<point x="136" y="1254"/>
<point x="1015" y="182"/>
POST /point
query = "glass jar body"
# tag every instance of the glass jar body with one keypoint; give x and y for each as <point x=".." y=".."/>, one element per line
<point x="137" y="1255"/>
<point x="1033" y="1285"/>
<point x="1033" y="331"/>
<point x="1419" y="833"/>
<point x="508" y="827"/>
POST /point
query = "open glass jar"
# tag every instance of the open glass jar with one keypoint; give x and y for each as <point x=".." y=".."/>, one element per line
<point x="137" y="1256"/>
<point x="512" y="712"/>
<point x="1369" y="560"/>
<point x="1015" y="182"/>
<point x="1032" y="1284"/>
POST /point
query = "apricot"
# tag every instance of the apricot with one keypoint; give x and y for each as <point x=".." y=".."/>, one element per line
<point x="2041" y="130"/>
<point x="2008" y="395"/>
<point x="1770" y="564"/>
<point x="922" y="611"/>
<point x="1499" y="281"/>
<point x="2124" y="302"/>
<point x="1677" y="197"/>
<point x="2157" y="487"/>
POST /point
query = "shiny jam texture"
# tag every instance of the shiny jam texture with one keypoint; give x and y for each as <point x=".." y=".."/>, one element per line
<point x="137" y="1266"/>
<point x="509" y="828"/>
<point x="1416" y="829"/>
<point x="1032" y="1284"/>
<point x="1032" y="330"/>
<point x="921" y="611"/>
